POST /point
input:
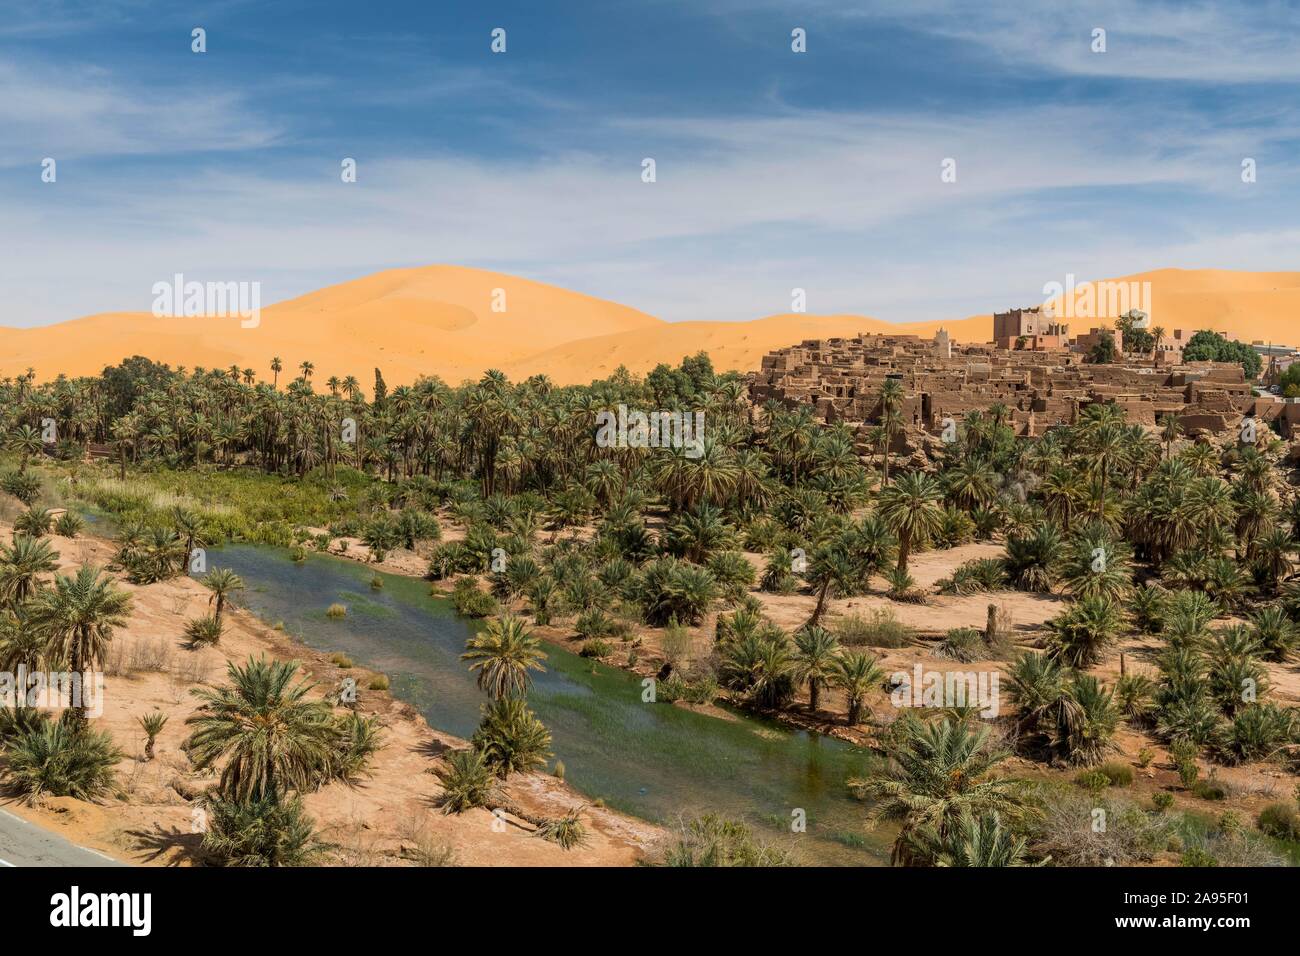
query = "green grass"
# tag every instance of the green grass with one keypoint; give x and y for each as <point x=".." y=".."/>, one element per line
<point x="239" y="505"/>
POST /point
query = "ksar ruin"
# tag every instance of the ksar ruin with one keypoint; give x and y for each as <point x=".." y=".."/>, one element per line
<point x="1043" y="383"/>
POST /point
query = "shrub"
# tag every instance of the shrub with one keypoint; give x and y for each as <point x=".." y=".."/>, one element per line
<point x="1093" y="780"/>
<point x="733" y="572"/>
<point x="1134" y="694"/>
<point x="714" y="841"/>
<point x="1119" y="774"/>
<point x="778" y="574"/>
<point x="963" y="644"/>
<point x="568" y="831"/>
<point x="69" y="524"/>
<point x="596" y="647"/>
<point x="259" y="833"/>
<point x="694" y="690"/>
<point x="62" y="759"/>
<point x="204" y="631"/>
<point x="672" y="589"/>
<point x="878" y="628"/>
<point x="467" y="781"/>
<point x="35" y="522"/>
<point x="594" y="622"/>
<point x="341" y="661"/>
<point x="1257" y="731"/>
<point x="1280" y="820"/>
<point x="1066" y="832"/>
<point x="470" y="601"/>
<point x="676" y="643"/>
<point x="1197" y="857"/>
<point x="546" y="598"/>
<point x="24" y="486"/>
<point x="1162" y="800"/>
<point x="902" y="586"/>
<point x="1184" y="754"/>
<point x="511" y="738"/>
<point x="20" y="720"/>
<point x="1210" y="789"/>
<point x="975" y="577"/>
<point x="357" y="739"/>
<point x="378" y="682"/>
<point x="336" y="611"/>
<point x="1147" y="606"/>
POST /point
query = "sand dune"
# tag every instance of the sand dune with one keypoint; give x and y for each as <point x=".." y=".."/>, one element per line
<point x="440" y="320"/>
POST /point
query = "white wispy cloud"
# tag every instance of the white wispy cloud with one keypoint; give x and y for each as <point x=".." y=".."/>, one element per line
<point x="83" y="111"/>
<point x="1147" y="39"/>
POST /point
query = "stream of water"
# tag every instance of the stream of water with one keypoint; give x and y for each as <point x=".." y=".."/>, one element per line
<point x="655" y="761"/>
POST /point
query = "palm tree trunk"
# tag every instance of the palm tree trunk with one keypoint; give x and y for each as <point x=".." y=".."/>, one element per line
<point x="904" y="550"/>
<point x="821" y="604"/>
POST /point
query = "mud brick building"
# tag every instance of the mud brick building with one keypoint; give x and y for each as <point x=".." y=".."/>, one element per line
<point x="841" y="379"/>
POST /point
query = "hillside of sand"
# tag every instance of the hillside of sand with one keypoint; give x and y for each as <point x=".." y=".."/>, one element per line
<point x="444" y="320"/>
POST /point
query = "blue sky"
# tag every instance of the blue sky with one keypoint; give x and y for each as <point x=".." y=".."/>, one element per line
<point x="775" y="170"/>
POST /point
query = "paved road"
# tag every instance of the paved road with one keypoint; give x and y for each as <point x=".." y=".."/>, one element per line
<point x="25" y="844"/>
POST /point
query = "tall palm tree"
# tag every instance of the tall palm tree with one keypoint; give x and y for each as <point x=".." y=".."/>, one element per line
<point x="816" y="650"/>
<point x="1169" y="434"/>
<point x="222" y="582"/>
<point x="261" y="726"/>
<point x="938" y="773"/>
<point x="503" y="653"/>
<point x="912" y="508"/>
<point x="77" y="616"/>
<point x="276" y="368"/>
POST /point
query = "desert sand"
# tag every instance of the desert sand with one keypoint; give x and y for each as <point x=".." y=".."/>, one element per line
<point x="440" y="320"/>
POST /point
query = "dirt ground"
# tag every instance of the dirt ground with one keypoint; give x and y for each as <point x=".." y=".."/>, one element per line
<point x="390" y="818"/>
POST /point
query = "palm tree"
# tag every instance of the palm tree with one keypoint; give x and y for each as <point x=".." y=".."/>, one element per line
<point x="21" y="565"/>
<point x="832" y="568"/>
<point x="264" y="730"/>
<point x="938" y="773"/>
<point x="503" y="653"/>
<point x="1169" y="434"/>
<point x="77" y="617"/>
<point x="911" y="507"/>
<point x="974" y="842"/>
<point x="816" y="650"/>
<point x="306" y="368"/>
<point x="1084" y="630"/>
<point x="25" y="441"/>
<point x="276" y="368"/>
<point x="190" y="529"/>
<point x="857" y="674"/>
<point x="222" y="582"/>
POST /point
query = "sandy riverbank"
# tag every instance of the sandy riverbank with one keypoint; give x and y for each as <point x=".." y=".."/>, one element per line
<point x="391" y="818"/>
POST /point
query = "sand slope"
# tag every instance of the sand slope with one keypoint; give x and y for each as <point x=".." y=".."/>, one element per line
<point x="439" y="320"/>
